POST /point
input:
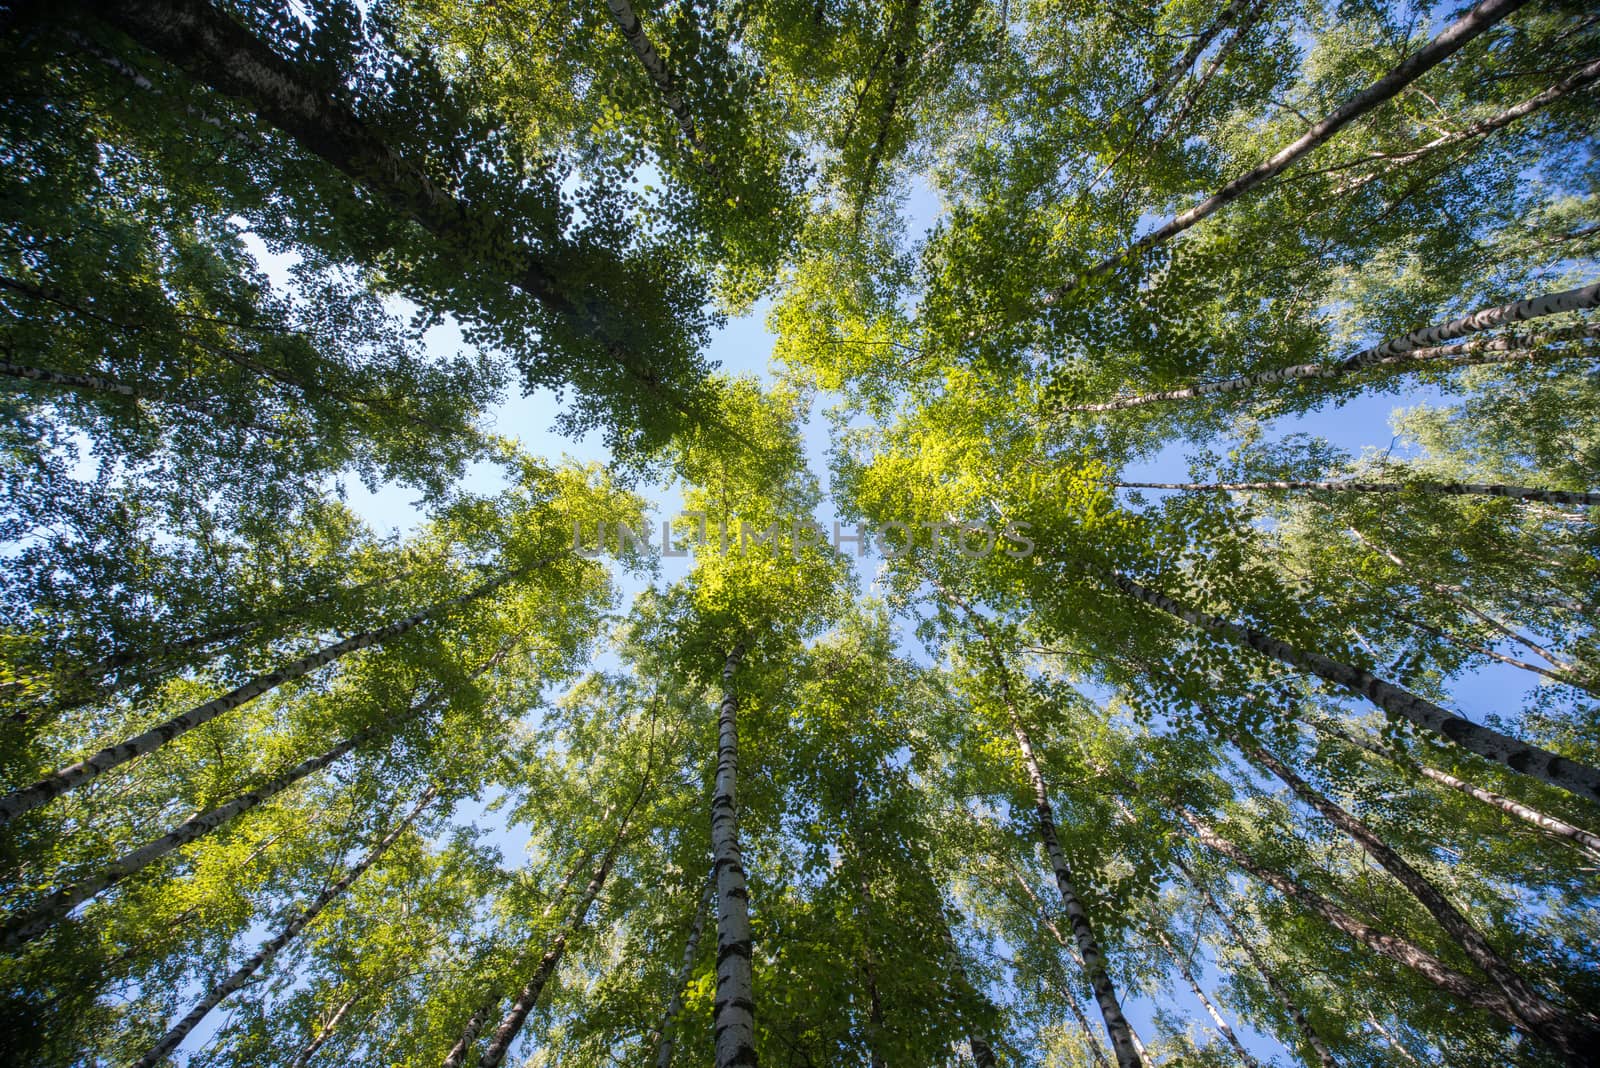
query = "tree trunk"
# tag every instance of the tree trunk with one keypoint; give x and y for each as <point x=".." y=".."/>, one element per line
<point x="1454" y="596"/>
<point x="1220" y="56"/>
<point x="1462" y="354"/>
<point x="982" y="1048"/>
<point x="1474" y="22"/>
<point x="1222" y="1025"/>
<point x="80" y="686"/>
<point x="1093" y="960"/>
<point x="1281" y="995"/>
<point x="462" y="1050"/>
<point x="691" y="953"/>
<point x="151" y="394"/>
<point x="1094" y="963"/>
<point x="1480" y="995"/>
<point x="1458" y="489"/>
<point x="308" y="387"/>
<point x="875" y="1025"/>
<point x="1584" y="840"/>
<point x="627" y="21"/>
<point x="1552" y="1024"/>
<point x="1066" y="988"/>
<point x="1292" y="1010"/>
<point x="324" y="1033"/>
<point x="1519" y="756"/>
<point x="270" y="949"/>
<point x="1162" y="85"/>
<point x="528" y="996"/>
<point x="734" y="1012"/>
<point x="29" y="925"/>
<point x="457" y="1057"/>
<point x="897" y="82"/>
<point x="217" y="51"/>
<point x="1393" y="1042"/>
<point x="29" y="798"/>
<point x="1583" y="77"/>
<point x="1158" y="91"/>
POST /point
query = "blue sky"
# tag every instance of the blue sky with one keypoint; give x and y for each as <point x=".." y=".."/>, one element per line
<point x="745" y="346"/>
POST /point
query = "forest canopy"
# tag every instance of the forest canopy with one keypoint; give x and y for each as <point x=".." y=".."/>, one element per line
<point x="1138" y="608"/>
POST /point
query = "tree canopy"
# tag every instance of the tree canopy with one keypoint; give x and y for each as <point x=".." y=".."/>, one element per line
<point x="1045" y="658"/>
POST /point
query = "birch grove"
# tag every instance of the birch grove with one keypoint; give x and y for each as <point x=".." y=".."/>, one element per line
<point x="968" y="534"/>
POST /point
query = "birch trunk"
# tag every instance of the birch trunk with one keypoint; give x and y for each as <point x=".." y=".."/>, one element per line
<point x="875" y="1026"/>
<point x="1393" y="1042"/>
<point x="897" y="82"/>
<point x="88" y="689"/>
<point x="1160" y="88"/>
<point x="270" y="949"/>
<point x="1223" y="1027"/>
<point x="1566" y="1031"/>
<point x="1162" y="85"/>
<point x="1584" y="840"/>
<point x="28" y="925"/>
<point x="89" y="685"/>
<point x="1407" y="354"/>
<point x="1281" y="995"/>
<point x="34" y="922"/>
<point x="1474" y="22"/>
<point x="462" y="1050"/>
<point x="28" y="798"/>
<point x="1192" y="97"/>
<point x="219" y="52"/>
<point x="1519" y="756"/>
<point x="1480" y="995"/>
<point x="1448" y="489"/>
<point x="80" y="686"/>
<point x="982" y="1049"/>
<point x="1066" y="988"/>
<point x="1292" y="1010"/>
<point x="95" y="383"/>
<point x="307" y="386"/>
<point x="324" y="1033"/>
<point x="627" y="21"/>
<point x="1094" y="963"/>
<point x="528" y="996"/>
<point x="457" y="1057"/>
<point x="1453" y="594"/>
<point x="734" y="1011"/>
<point x="1582" y="77"/>
<point x="691" y="953"/>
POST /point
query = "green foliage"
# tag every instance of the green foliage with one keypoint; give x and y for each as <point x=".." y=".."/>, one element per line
<point x="964" y="777"/>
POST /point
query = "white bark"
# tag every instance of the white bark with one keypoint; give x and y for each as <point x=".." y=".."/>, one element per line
<point x="1519" y="756"/>
<point x="1464" y="354"/>
<point x="1582" y="77"/>
<point x="734" y="1011"/>
<point x="691" y="952"/>
<point x="1586" y="841"/>
<point x="1481" y="995"/>
<point x="633" y="30"/>
<point x="1223" y="1027"/>
<point x="324" y="1033"/>
<point x="1443" y="489"/>
<point x="1566" y="1031"/>
<point x="1247" y="946"/>
<point x="28" y="798"/>
<point x="270" y="949"/>
<point x="511" y="1024"/>
<point x="1468" y="26"/>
